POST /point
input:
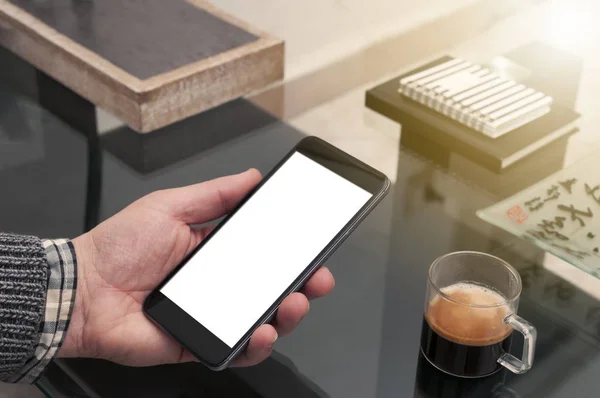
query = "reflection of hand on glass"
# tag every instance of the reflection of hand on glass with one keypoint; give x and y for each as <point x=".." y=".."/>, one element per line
<point x="117" y="264"/>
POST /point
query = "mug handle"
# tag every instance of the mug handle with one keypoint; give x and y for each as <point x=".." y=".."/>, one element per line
<point x="529" y="332"/>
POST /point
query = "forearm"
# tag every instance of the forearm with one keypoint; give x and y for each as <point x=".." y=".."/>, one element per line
<point x="37" y="286"/>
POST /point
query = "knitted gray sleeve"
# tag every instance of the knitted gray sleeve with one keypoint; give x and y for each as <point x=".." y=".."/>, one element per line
<point x="23" y="286"/>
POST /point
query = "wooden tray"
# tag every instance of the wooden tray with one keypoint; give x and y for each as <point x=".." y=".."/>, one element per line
<point x="148" y="62"/>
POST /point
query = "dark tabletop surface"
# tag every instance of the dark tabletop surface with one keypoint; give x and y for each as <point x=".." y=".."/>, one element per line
<point x="362" y="340"/>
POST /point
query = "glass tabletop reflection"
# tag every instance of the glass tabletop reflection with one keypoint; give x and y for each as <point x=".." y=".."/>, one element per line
<point x="363" y="340"/>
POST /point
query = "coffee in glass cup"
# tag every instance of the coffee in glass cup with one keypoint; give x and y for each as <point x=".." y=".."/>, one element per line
<point x="470" y="314"/>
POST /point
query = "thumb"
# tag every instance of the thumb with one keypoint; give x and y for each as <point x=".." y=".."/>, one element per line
<point x="207" y="201"/>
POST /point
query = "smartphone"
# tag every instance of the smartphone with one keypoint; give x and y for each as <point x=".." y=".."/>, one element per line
<point x="265" y="249"/>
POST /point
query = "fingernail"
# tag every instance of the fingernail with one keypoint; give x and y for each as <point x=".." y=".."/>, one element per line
<point x="273" y="342"/>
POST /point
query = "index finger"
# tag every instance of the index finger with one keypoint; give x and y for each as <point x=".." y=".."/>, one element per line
<point x="319" y="285"/>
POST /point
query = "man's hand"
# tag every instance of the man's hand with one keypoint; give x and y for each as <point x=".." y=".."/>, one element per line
<point x="121" y="260"/>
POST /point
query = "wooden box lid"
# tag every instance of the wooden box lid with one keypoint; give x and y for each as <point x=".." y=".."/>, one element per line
<point x="149" y="62"/>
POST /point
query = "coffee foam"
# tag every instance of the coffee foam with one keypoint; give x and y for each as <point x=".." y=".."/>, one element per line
<point x="464" y="324"/>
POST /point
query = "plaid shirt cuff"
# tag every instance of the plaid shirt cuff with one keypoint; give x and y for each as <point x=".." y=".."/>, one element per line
<point x="62" y="282"/>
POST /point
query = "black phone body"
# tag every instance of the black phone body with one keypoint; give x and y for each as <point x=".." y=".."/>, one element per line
<point x="265" y="249"/>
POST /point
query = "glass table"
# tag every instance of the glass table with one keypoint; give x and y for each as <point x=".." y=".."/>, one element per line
<point x="363" y="339"/>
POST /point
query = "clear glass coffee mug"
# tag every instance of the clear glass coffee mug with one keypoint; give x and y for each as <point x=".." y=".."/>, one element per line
<point x="470" y="314"/>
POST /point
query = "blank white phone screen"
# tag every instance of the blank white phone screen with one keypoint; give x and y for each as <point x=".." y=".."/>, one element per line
<point x="242" y="270"/>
